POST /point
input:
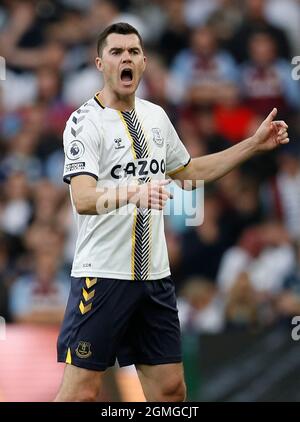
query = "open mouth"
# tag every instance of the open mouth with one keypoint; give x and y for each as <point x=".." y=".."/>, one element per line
<point x="126" y="75"/>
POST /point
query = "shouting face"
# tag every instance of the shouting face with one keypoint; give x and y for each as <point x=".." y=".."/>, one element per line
<point x="122" y="63"/>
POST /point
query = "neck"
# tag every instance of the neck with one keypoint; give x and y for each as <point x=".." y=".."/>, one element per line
<point x="118" y="102"/>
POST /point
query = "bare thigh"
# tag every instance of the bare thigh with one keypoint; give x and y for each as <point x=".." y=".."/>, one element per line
<point x="79" y="384"/>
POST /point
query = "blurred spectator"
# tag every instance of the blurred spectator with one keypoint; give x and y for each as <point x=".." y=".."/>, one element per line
<point x="239" y="195"/>
<point x="70" y="29"/>
<point x="153" y="13"/>
<point x="10" y="89"/>
<point x="45" y="237"/>
<point x="51" y="56"/>
<point x="40" y="297"/>
<point x="265" y="253"/>
<point x="155" y="80"/>
<point x="175" y="36"/>
<point x="286" y="15"/>
<point x="43" y="131"/>
<point x="34" y="120"/>
<point x="88" y="78"/>
<point x="241" y="309"/>
<point x="17" y="211"/>
<point x="225" y="20"/>
<point x="204" y="245"/>
<point x="21" y="156"/>
<point x="200" y="308"/>
<point x="198" y="125"/>
<point x="266" y="79"/>
<point x="288" y="301"/>
<point x="233" y="118"/>
<point x="197" y="12"/>
<point x="255" y="20"/>
<point x="46" y="200"/>
<point x="54" y="167"/>
<point x="49" y="94"/>
<point x="281" y="194"/>
<point x="105" y="12"/>
<point x="199" y="71"/>
<point x="24" y="43"/>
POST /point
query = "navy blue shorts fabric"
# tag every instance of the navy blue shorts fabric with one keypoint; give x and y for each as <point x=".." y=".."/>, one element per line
<point x="135" y="322"/>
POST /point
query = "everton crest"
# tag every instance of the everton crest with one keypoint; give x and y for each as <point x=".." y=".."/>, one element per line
<point x="157" y="136"/>
<point x="83" y="350"/>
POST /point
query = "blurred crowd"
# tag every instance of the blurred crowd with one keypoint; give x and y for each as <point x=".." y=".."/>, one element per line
<point x="217" y="67"/>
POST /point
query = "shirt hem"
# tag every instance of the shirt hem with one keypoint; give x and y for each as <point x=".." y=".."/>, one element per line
<point x="67" y="177"/>
<point x="118" y="276"/>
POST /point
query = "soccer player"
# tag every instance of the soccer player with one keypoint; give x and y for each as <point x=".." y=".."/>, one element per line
<point x="120" y="152"/>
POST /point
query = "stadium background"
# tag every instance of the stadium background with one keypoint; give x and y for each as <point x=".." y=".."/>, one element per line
<point x="217" y="67"/>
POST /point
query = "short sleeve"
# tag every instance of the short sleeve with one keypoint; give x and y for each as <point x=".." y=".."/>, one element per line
<point x="81" y="147"/>
<point x="177" y="155"/>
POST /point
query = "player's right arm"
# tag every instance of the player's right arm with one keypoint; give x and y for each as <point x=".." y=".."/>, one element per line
<point x="90" y="200"/>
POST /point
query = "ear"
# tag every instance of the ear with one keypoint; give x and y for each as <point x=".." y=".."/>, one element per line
<point x="99" y="64"/>
<point x="145" y="63"/>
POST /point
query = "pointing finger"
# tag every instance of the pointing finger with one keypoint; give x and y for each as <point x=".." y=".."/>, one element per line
<point x="272" y="115"/>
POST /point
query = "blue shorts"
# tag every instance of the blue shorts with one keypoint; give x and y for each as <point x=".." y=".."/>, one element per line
<point x="135" y="322"/>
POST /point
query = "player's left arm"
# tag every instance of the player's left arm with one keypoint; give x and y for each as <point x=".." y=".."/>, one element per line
<point x="211" y="167"/>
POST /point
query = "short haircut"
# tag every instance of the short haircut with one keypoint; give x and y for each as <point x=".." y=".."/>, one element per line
<point x="116" y="28"/>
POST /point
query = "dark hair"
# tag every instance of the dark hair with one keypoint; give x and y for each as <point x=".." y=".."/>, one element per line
<point x="116" y="28"/>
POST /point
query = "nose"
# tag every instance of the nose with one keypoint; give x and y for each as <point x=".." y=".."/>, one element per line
<point x="126" y="57"/>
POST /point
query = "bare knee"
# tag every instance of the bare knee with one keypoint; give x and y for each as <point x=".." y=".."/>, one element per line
<point x="163" y="383"/>
<point x="86" y="395"/>
<point x="173" y="390"/>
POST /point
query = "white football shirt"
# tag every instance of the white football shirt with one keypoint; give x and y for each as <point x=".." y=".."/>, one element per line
<point x="116" y="148"/>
